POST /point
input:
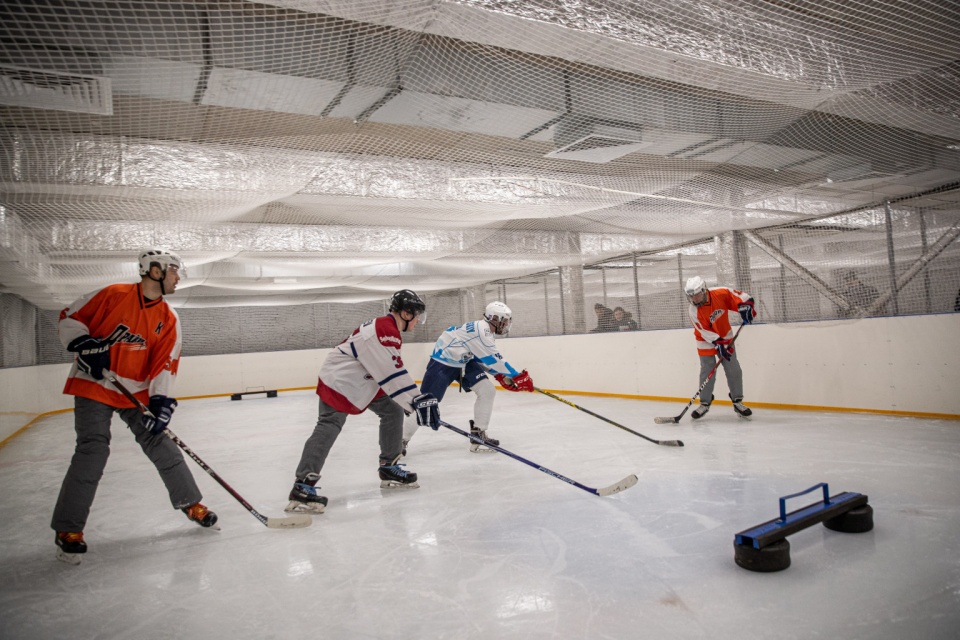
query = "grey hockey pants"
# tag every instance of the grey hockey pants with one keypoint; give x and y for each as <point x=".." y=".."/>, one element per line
<point x="92" y="424"/>
<point x="732" y="371"/>
<point x="329" y="424"/>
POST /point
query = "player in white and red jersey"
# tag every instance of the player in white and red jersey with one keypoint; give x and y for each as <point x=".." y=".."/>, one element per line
<point x="130" y="331"/>
<point x="465" y="354"/>
<point x="366" y="371"/>
<point x="709" y="309"/>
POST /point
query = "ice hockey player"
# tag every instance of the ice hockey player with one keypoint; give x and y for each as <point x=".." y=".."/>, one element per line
<point x="365" y="371"/>
<point x="465" y="354"/>
<point x="711" y="328"/>
<point x="128" y="330"/>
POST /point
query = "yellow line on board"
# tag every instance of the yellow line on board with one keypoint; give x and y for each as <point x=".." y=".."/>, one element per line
<point x="596" y="394"/>
<point x="13" y="435"/>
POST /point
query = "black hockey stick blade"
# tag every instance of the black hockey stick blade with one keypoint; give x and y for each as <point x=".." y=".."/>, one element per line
<point x="624" y="484"/>
<point x="666" y="443"/>
<point x="290" y="522"/>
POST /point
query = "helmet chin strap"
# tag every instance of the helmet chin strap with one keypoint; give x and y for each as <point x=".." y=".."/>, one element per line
<point x="163" y="290"/>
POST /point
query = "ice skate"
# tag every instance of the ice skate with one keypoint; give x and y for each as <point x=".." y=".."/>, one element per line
<point x="476" y="447"/>
<point x="394" y="475"/>
<point x="202" y="516"/>
<point x="70" y="546"/>
<point x="701" y="411"/>
<point x="304" y="497"/>
<point x="742" y="410"/>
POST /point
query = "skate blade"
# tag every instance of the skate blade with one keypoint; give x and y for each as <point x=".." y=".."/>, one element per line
<point x="304" y="507"/>
<point x="393" y="484"/>
<point x="479" y="449"/>
<point x="69" y="558"/>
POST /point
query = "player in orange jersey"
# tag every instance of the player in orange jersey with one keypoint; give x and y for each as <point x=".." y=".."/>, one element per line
<point x="130" y="331"/>
<point x="709" y="309"/>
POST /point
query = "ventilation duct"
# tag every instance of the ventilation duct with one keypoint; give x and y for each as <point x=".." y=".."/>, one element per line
<point x="588" y="140"/>
<point x="21" y="87"/>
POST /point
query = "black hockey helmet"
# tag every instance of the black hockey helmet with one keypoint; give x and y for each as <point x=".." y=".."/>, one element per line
<point x="407" y="300"/>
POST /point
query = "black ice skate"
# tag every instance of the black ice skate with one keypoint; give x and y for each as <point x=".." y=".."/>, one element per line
<point x="70" y="546"/>
<point x="701" y="411"/>
<point x="202" y="516"/>
<point x="477" y="447"/>
<point x="394" y="475"/>
<point x="304" y="497"/>
<point x="742" y="410"/>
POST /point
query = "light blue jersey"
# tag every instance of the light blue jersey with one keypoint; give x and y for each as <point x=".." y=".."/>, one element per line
<point x="474" y="340"/>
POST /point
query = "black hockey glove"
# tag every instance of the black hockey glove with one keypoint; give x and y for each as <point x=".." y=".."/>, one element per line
<point x="428" y="411"/>
<point x="93" y="355"/>
<point x="724" y="348"/>
<point x="747" y="312"/>
<point x="162" y="409"/>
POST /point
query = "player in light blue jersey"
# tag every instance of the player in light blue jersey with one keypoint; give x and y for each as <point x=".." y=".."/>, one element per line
<point x="466" y="353"/>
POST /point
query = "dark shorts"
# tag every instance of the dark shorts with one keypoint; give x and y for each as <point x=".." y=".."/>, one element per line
<point x="439" y="376"/>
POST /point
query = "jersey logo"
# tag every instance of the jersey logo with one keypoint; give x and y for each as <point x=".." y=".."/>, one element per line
<point x="398" y="360"/>
<point x="716" y="314"/>
<point x="122" y="334"/>
<point x="498" y="356"/>
<point x="390" y="340"/>
<point x="159" y="327"/>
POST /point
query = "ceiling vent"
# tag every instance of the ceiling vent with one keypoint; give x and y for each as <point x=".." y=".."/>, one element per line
<point x="21" y="87"/>
<point x="590" y="141"/>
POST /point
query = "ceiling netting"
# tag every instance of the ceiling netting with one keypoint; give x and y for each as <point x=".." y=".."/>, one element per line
<point x="304" y="151"/>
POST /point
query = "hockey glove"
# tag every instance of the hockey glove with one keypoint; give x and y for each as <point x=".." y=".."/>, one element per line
<point x="428" y="411"/>
<point x="724" y="348"/>
<point x="162" y="409"/>
<point x="93" y="355"/>
<point x="523" y="381"/>
<point x="505" y="382"/>
<point x="747" y="312"/>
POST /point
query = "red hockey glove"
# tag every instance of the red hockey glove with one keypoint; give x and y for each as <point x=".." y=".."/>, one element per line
<point x="520" y="382"/>
<point x="505" y="382"/>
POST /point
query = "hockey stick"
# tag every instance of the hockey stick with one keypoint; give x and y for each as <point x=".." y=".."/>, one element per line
<point x="666" y="443"/>
<point x="668" y="419"/>
<point x="291" y="522"/>
<point x="617" y="487"/>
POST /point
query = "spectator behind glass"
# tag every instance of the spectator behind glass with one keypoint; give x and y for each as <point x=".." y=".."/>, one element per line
<point x="861" y="296"/>
<point x="624" y="320"/>
<point x="605" y="319"/>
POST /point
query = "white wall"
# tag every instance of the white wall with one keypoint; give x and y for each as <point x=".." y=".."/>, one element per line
<point x="909" y="364"/>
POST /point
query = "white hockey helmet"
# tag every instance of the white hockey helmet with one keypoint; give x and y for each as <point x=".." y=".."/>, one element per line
<point x="499" y="317"/>
<point x="696" y="291"/>
<point x="161" y="257"/>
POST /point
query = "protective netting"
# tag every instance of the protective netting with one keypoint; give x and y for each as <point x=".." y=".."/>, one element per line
<point x="310" y="157"/>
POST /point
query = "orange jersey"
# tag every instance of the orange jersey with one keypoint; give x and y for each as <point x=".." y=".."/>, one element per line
<point x="711" y="321"/>
<point x="146" y="348"/>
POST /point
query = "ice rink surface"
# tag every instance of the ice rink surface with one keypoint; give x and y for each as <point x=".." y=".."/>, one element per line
<point x="489" y="547"/>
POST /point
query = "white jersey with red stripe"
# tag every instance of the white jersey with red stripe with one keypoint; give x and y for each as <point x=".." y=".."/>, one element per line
<point x="365" y="366"/>
<point x="146" y="339"/>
